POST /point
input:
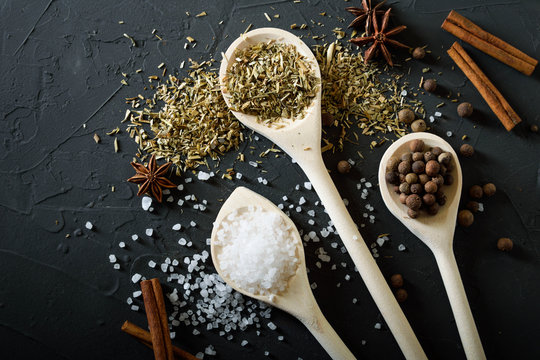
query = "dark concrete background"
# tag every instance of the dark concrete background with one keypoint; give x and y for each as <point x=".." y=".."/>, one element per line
<point x="61" y="63"/>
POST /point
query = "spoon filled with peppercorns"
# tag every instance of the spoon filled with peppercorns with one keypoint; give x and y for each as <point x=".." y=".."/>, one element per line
<point x="420" y="181"/>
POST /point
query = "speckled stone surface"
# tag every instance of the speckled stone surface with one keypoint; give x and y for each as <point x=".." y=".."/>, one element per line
<point x="60" y="297"/>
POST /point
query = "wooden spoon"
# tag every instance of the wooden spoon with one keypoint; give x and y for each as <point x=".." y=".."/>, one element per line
<point x="437" y="232"/>
<point x="301" y="139"/>
<point x="297" y="299"/>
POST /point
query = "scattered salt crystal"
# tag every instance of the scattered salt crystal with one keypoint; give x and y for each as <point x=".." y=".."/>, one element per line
<point x="122" y="244"/>
<point x="334" y="245"/>
<point x="210" y="350"/>
<point x="172" y="334"/>
<point x="182" y="241"/>
<point x="199" y="355"/>
<point x="180" y="202"/>
<point x="192" y="223"/>
<point x="176" y="227"/>
<point x="170" y="199"/>
<point x="401" y="247"/>
<point x="364" y="342"/>
<point x="238" y="175"/>
<point x="378" y="326"/>
<point x="253" y="163"/>
<point x="137" y="293"/>
<point x="112" y="258"/>
<point x="404" y="93"/>
<point x="280" y="206"/>
<point x="271" y="326"/>
<point x="180" y="187"/>
<point x="310" y="221"/>
<point x="431" y="119"/>
<point x="449" y="133"/>
<point x="116" y="266"/>
<point x="368" y="185"/>
<point x="129" y="301"/>
<point x="480" y="207"/>
<point x="346" y="202"/>
<point x="380" y="241"/>
<point x="244" y="343"/>
<point x="188" y="180"/>
<point x="152" y="264"/>
<point x="347" y="277"/>
<point x="285" y="198"/>
<point x="136" y="277"/>
<point x="298" y="209"/>
<point x="307" y="185"/>
<point x="164" y="267"/>
<point x="280" y="338"/>
<point x="313" y="286"/>
<point x="149" y="232"/>
<point x="354" y="300"/>
<point x="311" y="213"/>
<point x="302" y="201"/>
<point x="196" y="332"/>
<point x="135" y="307"/>
<point x="146" y="201"/>
<point x="89" y="225"/>
<point x="266" y="353"/>
<point x="438" y="114"/>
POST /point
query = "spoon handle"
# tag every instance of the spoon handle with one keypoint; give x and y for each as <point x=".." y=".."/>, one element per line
<point x="362" y="258"/>
<point x="460" y="306"/>
<point x="321" y="329"/>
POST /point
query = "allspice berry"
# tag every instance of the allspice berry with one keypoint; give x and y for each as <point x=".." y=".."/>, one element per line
<point x="417" y="156"/>
<point x="428" y="199"/>
<point x="423" y="179"/>
<point x="430" y="85"/>
<point x="418" y="167"/>
<point x="438" y="180"/>
<point x="405" y="188"/>
<point x="406" y="157"/>
<point x="436" y="151"/>
<point x="448" y="179"/>
<point x="476" y="192"/>
<point x="417" y="189"/>
<point x="465" y="109"/>
<point x="401" y="295"/>
<point x="505" y="244"/>
<point x="432" y="168"/>
<point x="392" y="178"/>
<point x="396" y="281"/>
<point x="343" y="167"/>
<point x="465" y="218"/>
<point x="428" y="155"/>
<point x="433" y="209"/>
<point x="473" y="206"/>
<point x="431" y="187"/>
<point x="392" y="164"/>
<point x="406" y="116"/>
<point x="411" y="178"/>
<point x="419" y="53"/>
<point x="413" y="214"/>
<point x="327" y="119"/>
<point x="402" y="198"/>
<point x="445" y="158"/>
<point x="534" y="128"/>
<point x="404" y="167"/>
<point x="414" y="202"/>
<point x="466" y="150"/>
<point x="489" y="189"/>
<point x="418" y="126"/>
<point x="416" y="145"/>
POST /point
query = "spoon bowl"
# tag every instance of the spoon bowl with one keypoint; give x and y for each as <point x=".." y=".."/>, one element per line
<point x="297" y="299"/>
<point x="301" y="140"/>
<point x="437" y="232"/>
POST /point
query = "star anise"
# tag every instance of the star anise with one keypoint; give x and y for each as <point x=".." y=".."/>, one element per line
<point x="380" y="38"/>
<point x="152" y="178"/>
<point x="364" y="14"/>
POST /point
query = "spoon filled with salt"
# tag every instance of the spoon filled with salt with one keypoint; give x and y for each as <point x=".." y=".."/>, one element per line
<point x="257" y="250"/>
<point x="437" y="232"/>
<point x="300" y="138"/>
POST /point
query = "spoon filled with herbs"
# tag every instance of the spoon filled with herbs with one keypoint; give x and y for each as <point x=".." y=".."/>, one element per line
<point x="257" y="250"/>
<point x="420" y="181"/>
<point x="271" y="81"/>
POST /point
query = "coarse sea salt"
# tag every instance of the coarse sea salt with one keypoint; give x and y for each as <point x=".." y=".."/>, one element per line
<point x="257" y="250"/>
<point x="146" y="201"/>
<point x="89" y="225"/>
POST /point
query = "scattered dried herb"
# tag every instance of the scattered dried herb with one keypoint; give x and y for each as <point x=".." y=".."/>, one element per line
<point x="272" y="81"/>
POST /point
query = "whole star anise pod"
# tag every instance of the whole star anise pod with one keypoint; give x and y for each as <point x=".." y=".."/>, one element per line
<point x="152" y="178"/>
<point x="364" y="14"/>
<point x="380" y="38"/>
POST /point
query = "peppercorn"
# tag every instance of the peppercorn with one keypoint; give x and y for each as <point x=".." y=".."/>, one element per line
<point x="405" y="188"/>
<point x="402" y="198"/>
<point x="327" y="119"/>
<point x="466" y="150"/>
<point x="465" y="109"/>
<point x="414" y="202"/>
<point x="406" y="157"/>
<point x="489" y="189"/>
<point x="505" y="244"/>
<point x="406" y="116"/>
<point x="396" y="281"/>
<point x="423" y="178"/>
<point x="436" y="151"/>
<point x="416" y="145"/>
<point x="448" y="179"/>
<point x="413" y="214"/>
<point x="404" y="167"/>
<point x="418" y="167"/>
<point x="465" y="218"/>
<point x="411" y="178"/>
<point x="476" y="192"/>
<point x="428" y="155"/>
<point x="431" y="187"/>
<point x="442" y="170"/>
<point x="438" y="180"/>
<point x="396" y="189"/>
<point x="473" y="206"/>
<point x="401" y="295"/>
<point x="401" y="178"/>
<point x="417" y="156"/>
<point x="419" y="53"/>
<point x="428" y="199"/>
<point x="441" y="198"/>
<point x="445" y="158"/>
<point x="432" y="168"/>
<point x="392" y="178"/>
<point x="433" y="209"/>
<point x="418" y="126"/>
<point x="343" y="167"/>
<point x="392" y="164"/>
<point x="534" y="128"/>
<point x="430" y="85"/>
<point x="417" y="189"/>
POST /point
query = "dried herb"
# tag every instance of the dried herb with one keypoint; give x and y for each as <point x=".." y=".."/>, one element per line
<point x="152" y="178"/>
<point x="380" y="38"/>
<point x="364" y="14"/>
<point x="272" y="81"/>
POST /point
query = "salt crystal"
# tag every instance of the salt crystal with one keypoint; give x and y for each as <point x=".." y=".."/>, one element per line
<point x="192" y="223"/>
<point x="449" y="133"/>
<point x="377" y="326"/>
<point x="244" y="343"/>
<point x="404" y="93"/>
<point x="176" y="227"/>
<point x="135" y="307"/>
<point x="280" y="206"/>
<point x="307" y="185"/>
<point x="354" y="300"/>
<point x="152" y="264"/>
<point x="89" y="225"/>
<point x="137" y="293"/>
<point x="311" y="213"/>
<point x="122" y="244"/>
<point x="129" y="301"/>
<point x="297" y="187"/>
<point x="182" y="241"/>
<point x="180" y="187"/>
<point x="380" y="241"/>
<point x="180" y="202"/>
<point x="431" y="119"/>
<point x="188" y="180"/>
<point x="210" y="350"/>
<point x="302" y="201"/>
<point x="298" y="209"/>
<point x="116" y="266"/>
<point x="401" y="247"/>
<point x="334" y="245"/>
<point x="238" y="175"/>
<point x="285" y="198"/>
<point x="313" y="286"/>
<point x="164" y="267"/>
<point x="346" y="202"/>
<point x="438" y="114"/>
<point x="368" y="185"/>
<point x="310" y="221"/>
<point x="136" y="277"/>
<point x="199" y="355"/>
<point x="146" y="201"/>
<point x="280" y="338"/>
<point x="253" y="163"/>
<point x="112" y="258"/>
<point x="481" y="207"/>
<point x="149" y="232"/>
<point x="271" y="326"/>
<point x="347" y="277"/>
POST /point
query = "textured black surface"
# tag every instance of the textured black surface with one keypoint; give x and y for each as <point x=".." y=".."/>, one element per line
<point x="61" y="64"/>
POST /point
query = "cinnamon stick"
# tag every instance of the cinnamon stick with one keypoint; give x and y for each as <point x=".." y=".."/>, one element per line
<point x="158" y="293"/>
<point x="489" y="92"/>
<point x="158" y="335"/>
<point x="145" y="337"/>
<point x="471" y="33"/>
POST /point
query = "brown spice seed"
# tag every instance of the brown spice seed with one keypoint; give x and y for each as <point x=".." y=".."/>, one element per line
<point x="476" y="192"/>
<point x="419" y="53"/>
<point x="416" y="145"/>
<point x="401" y="295"/>
<point x="473" y="206"/>
<point x="418" y="126"/>
<point x="465" y="218"/>
<point x="396" y="281"/>
<point x="406" y="116"/>
<point x="505" y="244"/>
<point x="489" y="189"/>
<point x="430" y="85"/>
<point x="466" y="150"/>
<point x="343" y="167"/>
<point x="465" y="109"/>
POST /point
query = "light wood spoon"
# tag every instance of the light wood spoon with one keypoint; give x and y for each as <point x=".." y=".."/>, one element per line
<point x="301" y="139"/>
<point x="437" y="232"/>
<point x="297" y="299"/>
